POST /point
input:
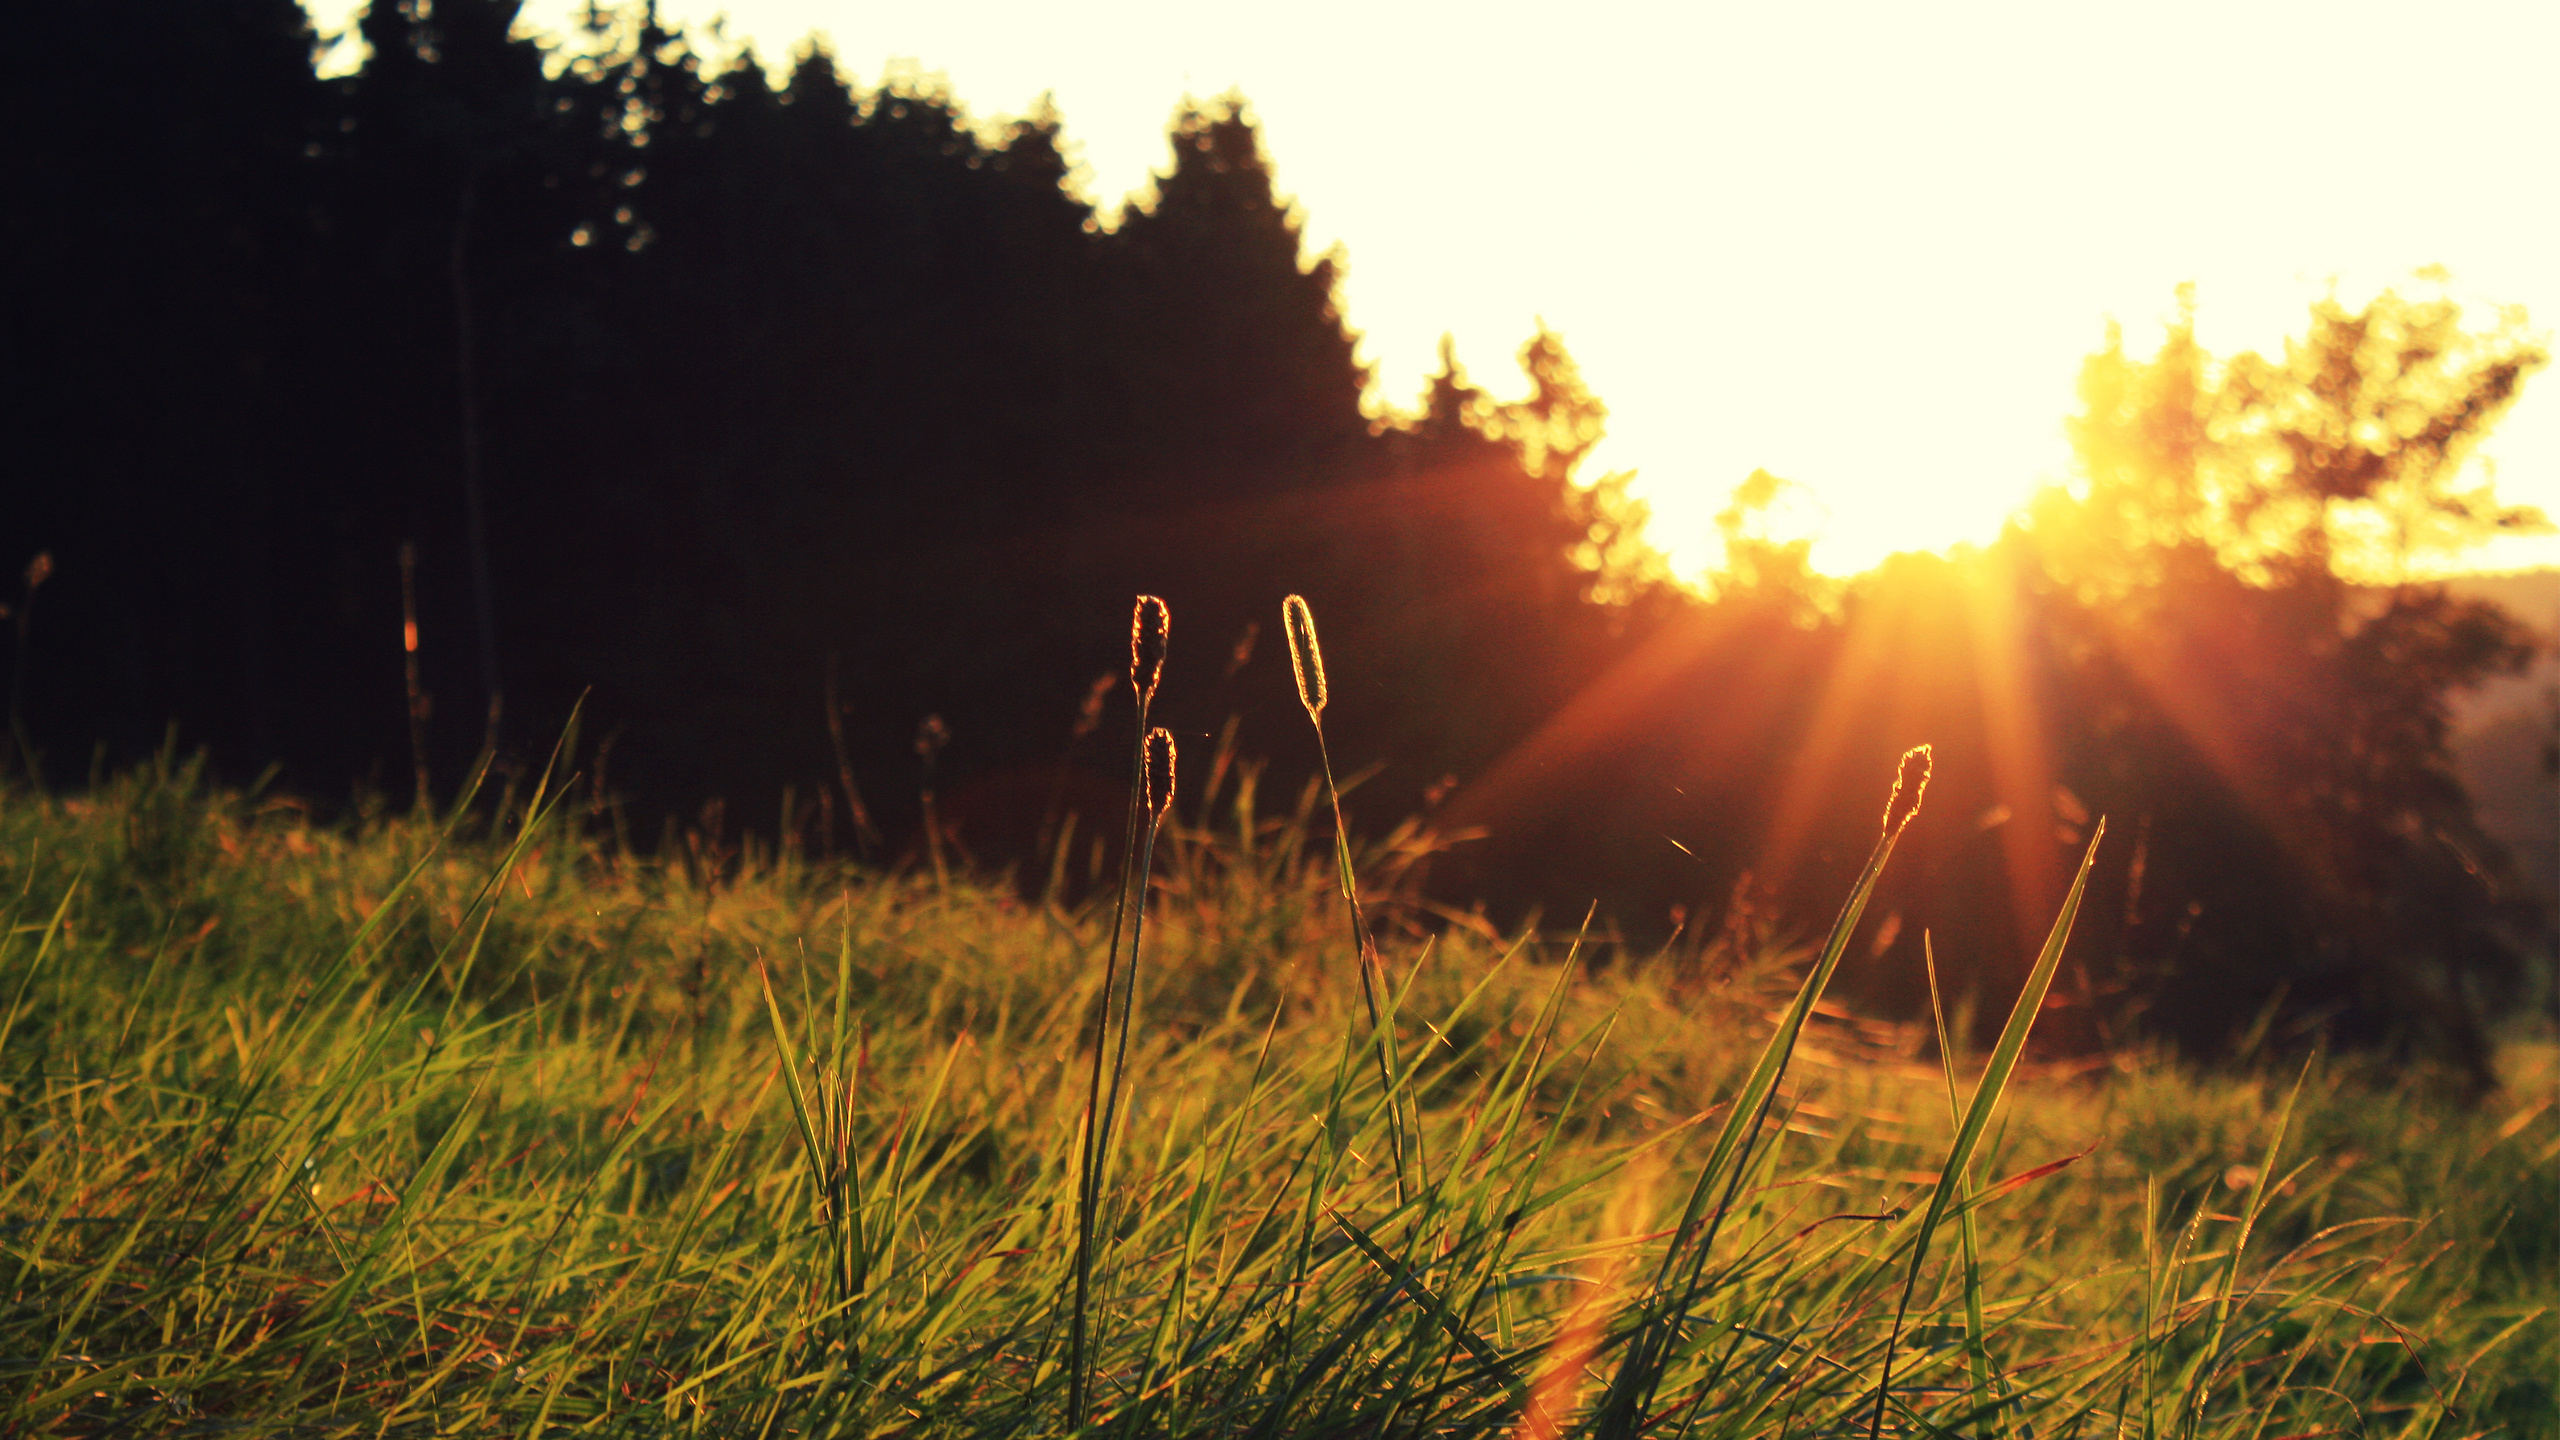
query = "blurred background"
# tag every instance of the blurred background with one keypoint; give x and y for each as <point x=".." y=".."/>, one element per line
<point x="778" y="411"/>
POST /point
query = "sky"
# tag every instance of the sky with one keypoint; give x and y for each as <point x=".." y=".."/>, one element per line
<point x="1863" y="246"/>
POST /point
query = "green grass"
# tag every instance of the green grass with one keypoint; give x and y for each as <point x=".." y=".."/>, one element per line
<point x="417" y="1127"/>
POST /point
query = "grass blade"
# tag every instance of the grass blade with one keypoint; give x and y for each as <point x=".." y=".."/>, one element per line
<point x="1663" y="1312"/>
<point x="1986" y="1096"/>
<point x="1977" y="1356"/>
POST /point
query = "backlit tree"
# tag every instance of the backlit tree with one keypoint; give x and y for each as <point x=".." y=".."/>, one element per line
<point x="2255" y="682"/>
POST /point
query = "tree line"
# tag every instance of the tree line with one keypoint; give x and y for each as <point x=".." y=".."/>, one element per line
<point x="776" y="418"/>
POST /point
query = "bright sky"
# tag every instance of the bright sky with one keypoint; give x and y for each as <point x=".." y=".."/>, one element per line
<point x="1863" y="246"/>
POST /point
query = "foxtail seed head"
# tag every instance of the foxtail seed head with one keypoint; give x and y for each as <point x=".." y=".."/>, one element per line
<point x="1089" y="714"/>
<point x="1150" y="625"/>
<point x="1305" y="656"/>
<point x="1892" y="826"/>
<point x="1160" y="767"/>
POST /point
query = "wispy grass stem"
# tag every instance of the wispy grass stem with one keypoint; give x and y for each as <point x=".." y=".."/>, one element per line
<point x="1306" y="663"/>
<point x="1150" y="635"/>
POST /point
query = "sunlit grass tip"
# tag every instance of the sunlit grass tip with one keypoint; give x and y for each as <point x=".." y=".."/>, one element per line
<point x="1306" y="657"/>
<point x="1150" y="631"/>
<point x="1162" y="756"/>
<point x="1150" y="634"/>
<point x="1928" y="765"/>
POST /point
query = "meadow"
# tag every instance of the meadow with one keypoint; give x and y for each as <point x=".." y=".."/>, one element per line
<point x="478" y="1122"/>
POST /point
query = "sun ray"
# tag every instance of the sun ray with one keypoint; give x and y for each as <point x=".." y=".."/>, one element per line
<point x="1864" y="676"/>
<point x="2017" y="743"/>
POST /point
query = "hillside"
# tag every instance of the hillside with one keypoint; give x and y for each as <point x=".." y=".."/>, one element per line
<point x="451" y="1126"/>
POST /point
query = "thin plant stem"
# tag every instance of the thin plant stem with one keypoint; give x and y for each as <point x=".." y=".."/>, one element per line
<point x="1150" y="630"/>
<point x="1306" y="662"/>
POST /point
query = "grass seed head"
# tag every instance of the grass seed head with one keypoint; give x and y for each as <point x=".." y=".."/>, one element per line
<point x="1305" y="656"/>
<point x="1150" y="625"/>
<point x="1160" y="768"/>
<point x="1893" y="826"/>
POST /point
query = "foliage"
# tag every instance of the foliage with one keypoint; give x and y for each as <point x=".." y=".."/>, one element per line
<point x="1757" y="567"/>
<point x="2343" y="460"/>
<point x="1553" y="429"/>
<point x="2224" y="679"/>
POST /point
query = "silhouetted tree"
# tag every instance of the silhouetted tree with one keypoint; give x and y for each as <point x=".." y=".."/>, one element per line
<point x="163" y="244"/>
<point x="2274" y="730"/>
<point x="2189" y="640"/>
<point x="1234" y="341"/>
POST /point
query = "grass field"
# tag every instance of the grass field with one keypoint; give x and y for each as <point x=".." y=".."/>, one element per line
<point x="461" y="1125"/>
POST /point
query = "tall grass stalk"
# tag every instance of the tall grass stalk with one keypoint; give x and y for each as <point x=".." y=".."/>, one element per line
<point x="1663" y="1315"/>
<point x="1306" y="664"/>
<point x="931" y="736"/>
<point x="1150" y="638"/>
<point x="1161" y="759"/>
<point x="423" y="796"/>
<point x="1986" y="1395"/>
<point x="1986" y="1097"/>
<point x="23" y="615"/>
<point x="866" y="838"/>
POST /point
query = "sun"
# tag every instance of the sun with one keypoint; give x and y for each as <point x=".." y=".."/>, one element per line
<point x="1853" y="519"/>
<point x="1883" y="457"/>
